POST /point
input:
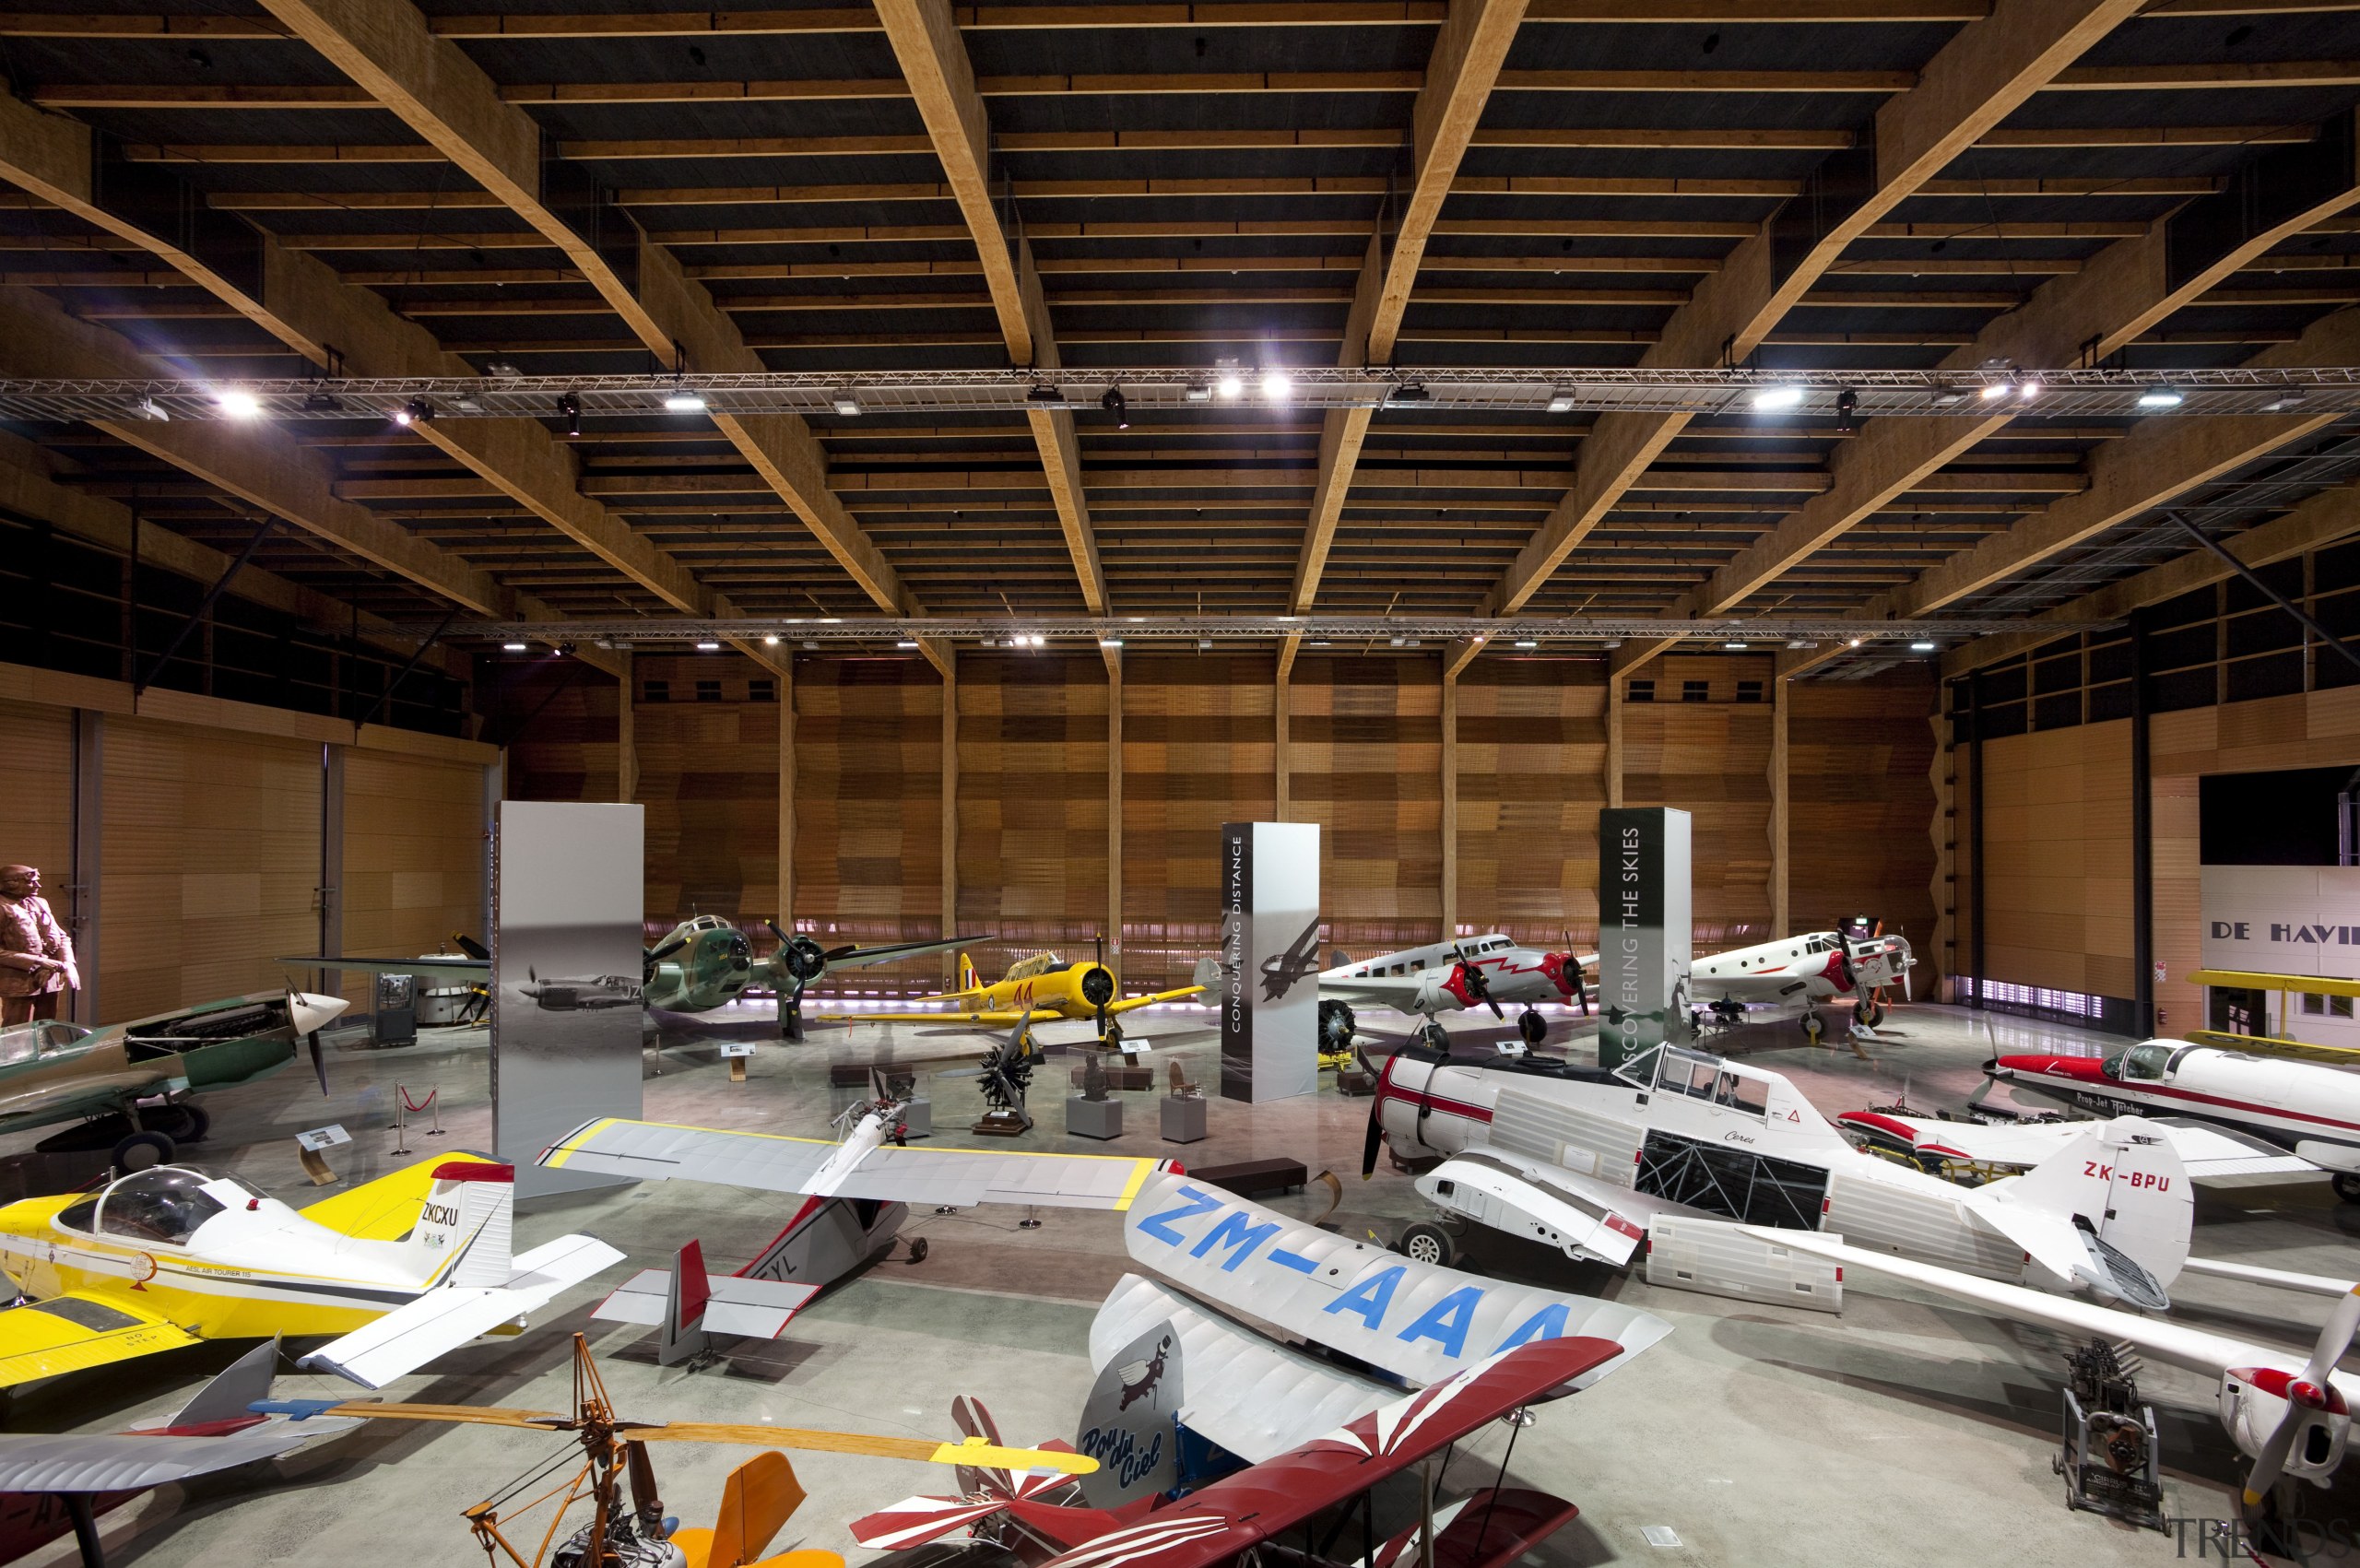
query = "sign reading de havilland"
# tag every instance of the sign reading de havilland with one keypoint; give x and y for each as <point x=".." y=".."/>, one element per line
<point x="2282" y="919"/>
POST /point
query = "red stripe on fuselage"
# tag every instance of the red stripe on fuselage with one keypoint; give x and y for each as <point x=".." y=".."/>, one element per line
<point x="810" y="1206"/>
<point x="2115" y="1089"/>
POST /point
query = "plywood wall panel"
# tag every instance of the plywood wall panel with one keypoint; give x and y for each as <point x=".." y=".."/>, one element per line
<point x="2057" y="838"/>
<point x="1365" y="758"/>
<point x="1032" y="799"/>
<point x="212" y="863"/>
<point x="38" y="827"/>
<point x="1198" y="739"/>
<point x="868" y="799"/>
<point x="413" y="856"/>
<point x="1532" y="783"/>
<point x="1859" y="795"/>
<point x="1710" y="758"/>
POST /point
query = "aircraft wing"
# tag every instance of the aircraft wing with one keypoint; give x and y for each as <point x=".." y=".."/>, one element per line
<point x="386" y="1209"/>
<point x="920" y="1175"/>
<point x="1130" y="1003"/>
<point x="455" y="965"/>
<point x="1773" y="985"/>
<point x="891" y="952"/>
<point x="1215" y="1525"/>
<point x="78" y="1330"/>
<point x="988" y="1020"/>
<point x="2211" y="1156"/>
<point x="1417" y="1322"/>
<point x="1371" y="990"/>
<point x="128" y="1461"/>
<point x="443" y="1319"/>
<point x="2195" y="1349"/>
<point x="1246" y="1392"/>
<point x="82" y="1095"/>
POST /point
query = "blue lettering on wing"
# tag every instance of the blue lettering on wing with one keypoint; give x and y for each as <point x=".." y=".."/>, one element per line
<point x="1158" y="1225"/>
<point x="1549" y="1323"/>
<point x="1445" y="1322"/>
<point x="1369" y="1299"/>
<point x="1237" y="1234"/>
<point x="1294" y="1260"/>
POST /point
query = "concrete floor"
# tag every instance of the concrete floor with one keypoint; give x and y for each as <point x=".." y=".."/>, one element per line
<point x="1904" y="1429"/>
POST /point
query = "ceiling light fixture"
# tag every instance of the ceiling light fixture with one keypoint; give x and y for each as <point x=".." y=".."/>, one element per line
<point x="1733" y="647"/>
<point x="1561" y="400"/>
<point x="2161" y="397"/>
<point x="1276" y="384"/>
<point x="1921" y="647"/>
<point x="1773" y="399"/>
<point x="1231" y="386"/>
<point x="1948" y="396"/>
<point x="906" y="643"/>
<point x="684" y="400"/>
<point x="2028" y="390"/>
<point x="1110" y="642"/>
<point x="1411" y="392"/>
<point x="708" y="647"/>
<point x="2285" y="401"/>
<point x="847" y="403"/>
<point x="417" y="411"/>
<point x="770" y="640"/>
<point x="503" y="367"/>
<point x="1044" y="394"/>
<point x="239" y="405"/>
<point x="1992" y="389"/>
<point x="1528" y="642"/>
<point x="513" y="647"/>
<point x="1199" y="392"/>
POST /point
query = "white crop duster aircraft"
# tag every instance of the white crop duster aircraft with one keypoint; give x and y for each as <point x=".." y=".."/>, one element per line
<point x="1592" y="1161"/>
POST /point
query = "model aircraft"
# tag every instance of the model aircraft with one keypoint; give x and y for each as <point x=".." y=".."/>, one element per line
<point x="1799" y="972"/>
<point x="581" y="994"/>
<point x="1590" y="1162"/>
<point x="401" y="1269"/>
<point x="1040" y="989"/>
<point x="1281" y="971"/>
<point x="2289" y="1414"/>
<point x="759" y="1496"/>
<point x="1447" y="976"/>
<point x="702" y="964"/>
<point x="132" y="1081"/>
<point x="51" y="1485"/>
<point x="853" y="1198"/>
<point x="2311" y="1111"/>
<point x="1280" y="1330"/>
<point x="1227" y="1521"/>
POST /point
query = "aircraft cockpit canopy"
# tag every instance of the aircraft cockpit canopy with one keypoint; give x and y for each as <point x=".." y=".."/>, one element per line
<point x="45" y="1037"/>
<point x="166" y="1205"/>
<point x="1668" y="1070"/>
<point x="2151" y="1063"/>
<point x="1039" y="963"/>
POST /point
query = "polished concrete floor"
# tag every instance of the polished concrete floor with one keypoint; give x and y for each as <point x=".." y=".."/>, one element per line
<point x="1904" y="1430"/>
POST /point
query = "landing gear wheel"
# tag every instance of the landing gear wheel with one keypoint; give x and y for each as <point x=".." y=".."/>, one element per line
<point x="2347" y="1186"/>
<point x="1429" y="1244"/>
<point x="1336" y="1026"/>
<point x="178" y="1123"/>
<point x="1532" y="1027"/>
<point x="917" y="1249"/>
<point x="1813" y="1029"/>
<point x="143" y="1151"/>
<point x="199" y="1123"/>
<point x="1434" y="1037"/>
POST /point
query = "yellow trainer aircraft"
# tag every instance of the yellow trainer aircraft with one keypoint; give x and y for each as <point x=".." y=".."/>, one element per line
<point x="403" y="1269"/>
<point x="1040" y="989"/>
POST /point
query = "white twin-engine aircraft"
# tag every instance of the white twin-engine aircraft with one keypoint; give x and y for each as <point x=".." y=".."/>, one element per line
<point x="1799" y="972"/>
<point x="1593" y="1161"/>
<point x="1445" y="978"/>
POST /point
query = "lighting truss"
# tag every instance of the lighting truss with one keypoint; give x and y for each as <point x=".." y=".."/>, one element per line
<point x="1130" y="631"/>
<point x="1729" y="391"/>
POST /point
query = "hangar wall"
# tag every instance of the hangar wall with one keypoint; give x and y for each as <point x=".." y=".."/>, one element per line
<point x="1362" y="755"/>
<point x="213" y="835"/>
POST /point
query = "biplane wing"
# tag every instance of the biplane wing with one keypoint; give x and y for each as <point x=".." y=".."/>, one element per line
<point x="1221" y="1522"/>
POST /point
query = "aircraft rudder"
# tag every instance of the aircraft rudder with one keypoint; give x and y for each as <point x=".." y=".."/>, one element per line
<point x="466" y="1225"/>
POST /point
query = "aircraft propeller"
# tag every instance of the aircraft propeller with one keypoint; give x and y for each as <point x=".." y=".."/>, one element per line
<point x="1098" y="987"/>
<point x="1478" y="985"/>
<point x="1376" y="1139"/>
<point x="802" y="961"/>
<point x="2308" y="1392"/>
<point x="654" y="956"/>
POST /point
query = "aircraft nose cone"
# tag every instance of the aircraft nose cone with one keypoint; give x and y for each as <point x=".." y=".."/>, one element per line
<point x="308" y="1010"/>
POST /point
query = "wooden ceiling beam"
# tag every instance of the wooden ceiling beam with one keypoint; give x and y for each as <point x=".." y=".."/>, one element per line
<point x="1983" y="74"/>
<point x="386" y="48"/>
<point x="2127" y="290"/>
<point x="925" y="36"/>
<point x="1469" y="53"/>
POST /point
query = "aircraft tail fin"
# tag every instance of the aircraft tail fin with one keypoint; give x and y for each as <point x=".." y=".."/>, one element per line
<point x="233" y="1388"/>
<point x="2113" y="1210"/>
<point x="967" y="980"/>
<point x="1208" y="972"/>
<point x="464" y="1229"/>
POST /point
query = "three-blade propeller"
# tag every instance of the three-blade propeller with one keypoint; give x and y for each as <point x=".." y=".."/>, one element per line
<point x="1478" y="984"/>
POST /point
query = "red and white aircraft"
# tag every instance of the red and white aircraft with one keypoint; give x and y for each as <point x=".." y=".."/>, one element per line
<point x="2310" y="1111"/>
<point x="1446" y="977"/>
<point x="1225" y="1522"/>
<point x="1799" y="972"/>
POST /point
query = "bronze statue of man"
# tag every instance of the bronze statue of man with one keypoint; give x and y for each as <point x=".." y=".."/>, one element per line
<point x="36" y="969"/>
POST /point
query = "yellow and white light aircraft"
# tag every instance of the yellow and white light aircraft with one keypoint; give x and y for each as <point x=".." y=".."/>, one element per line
<point x="403" y="1269"/>
<point x="1040" y="989"/>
